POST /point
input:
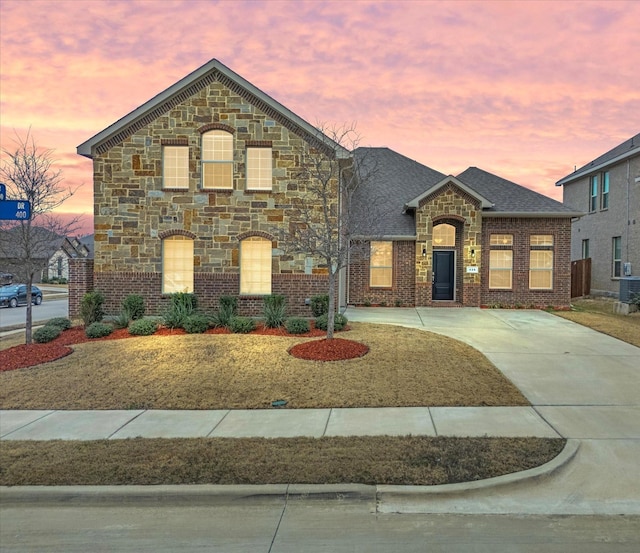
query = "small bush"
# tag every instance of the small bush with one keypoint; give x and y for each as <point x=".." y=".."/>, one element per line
<point x="143" y="327"/>
<point x="339" y="322"/>
<point x="297" y="325"/>
<point x="227" y="310"/>
<point x="46" y="333"/>
<point x="241" y="325"/>
<point x="320" y="305"/>
<point x="98" y="330"/>
<point x="122" y="320"/>
<point x="183" y="305"/>
<point x="61" y="322"/>
<point x="275" y="308"/>
<point x="133" y="305"/>
<point x="91" y="308"/>
<point x="196" y="324"/>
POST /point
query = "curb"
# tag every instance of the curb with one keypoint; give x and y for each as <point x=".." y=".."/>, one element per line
<point x="212" y="494"/>
<point x="408" y="494"/>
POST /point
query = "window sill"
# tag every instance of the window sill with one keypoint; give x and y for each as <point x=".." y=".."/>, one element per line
<point x="175" y="189"/>
<point x="214" y="190"/>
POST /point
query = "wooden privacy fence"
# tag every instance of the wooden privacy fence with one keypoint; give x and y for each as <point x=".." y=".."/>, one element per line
<point x="581" y="277"/>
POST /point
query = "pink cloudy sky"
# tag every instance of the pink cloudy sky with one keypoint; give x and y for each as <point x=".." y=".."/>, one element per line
<point x="525" y="90"/>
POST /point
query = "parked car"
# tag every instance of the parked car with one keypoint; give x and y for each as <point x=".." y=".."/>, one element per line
<point x="13" y="295"/>
<point x="5" y="278"/>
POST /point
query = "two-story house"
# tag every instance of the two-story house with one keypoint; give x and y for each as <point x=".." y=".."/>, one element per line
<point x="191" y="188"/>
<point x="607" y="190"/>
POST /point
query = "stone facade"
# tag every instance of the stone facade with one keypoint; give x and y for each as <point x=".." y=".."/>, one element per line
<point x="134" y="211"/>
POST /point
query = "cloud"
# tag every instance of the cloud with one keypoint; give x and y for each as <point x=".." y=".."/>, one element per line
<point x="523" y="89"/>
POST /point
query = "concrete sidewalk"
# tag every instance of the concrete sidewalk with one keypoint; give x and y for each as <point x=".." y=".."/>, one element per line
<point x="275" y="423"/>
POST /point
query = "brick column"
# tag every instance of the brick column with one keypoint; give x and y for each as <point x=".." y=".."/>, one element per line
<point x="80" y="282"/>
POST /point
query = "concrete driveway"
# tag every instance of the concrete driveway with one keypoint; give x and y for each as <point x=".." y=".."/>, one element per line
<point x="584" y="384"/>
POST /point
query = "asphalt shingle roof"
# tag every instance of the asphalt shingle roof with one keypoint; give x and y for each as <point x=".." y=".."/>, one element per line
<point x="509" y="197"/>
<point x="630" y="146"/>
<point x="397" y="180"/>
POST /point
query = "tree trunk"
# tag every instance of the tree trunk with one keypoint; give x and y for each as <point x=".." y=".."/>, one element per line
<point x="29" y="321"/>
<point x="331" y="314"/>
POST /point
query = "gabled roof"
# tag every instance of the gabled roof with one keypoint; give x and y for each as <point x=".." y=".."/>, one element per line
<point x="394" y="180"/>
<point x="399" y="183"/>
<point x="512" y="200"/>
<point x="621" y="152"/>
<point x="484" y="203"/>
<point x="190" y="85"/>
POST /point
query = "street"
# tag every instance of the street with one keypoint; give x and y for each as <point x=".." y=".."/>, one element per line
<point x="48" y="309"/>
<point x="269" y="526"/>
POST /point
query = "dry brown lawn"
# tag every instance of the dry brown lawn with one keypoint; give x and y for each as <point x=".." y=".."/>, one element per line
<point x="598" y="314"/>
<point x="365" y="460"/>
<point x="404" y="367"/>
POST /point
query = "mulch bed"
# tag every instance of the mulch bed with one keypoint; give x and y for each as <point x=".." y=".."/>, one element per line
<point x="23" y="356"/>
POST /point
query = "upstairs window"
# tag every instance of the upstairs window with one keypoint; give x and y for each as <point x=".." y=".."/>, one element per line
<point x="593" y="191"/>
<point x="255" y="266"/>
<point x="541" y="262"/>
<point x="444" y="235"/>
<point x="177" y="265"/>
<point x="381" y="265"/>
<point x="175" y="167"/>
<point x="604" y="198"/>
<point x="259" y="168"/>
<point x="217" y="160"/>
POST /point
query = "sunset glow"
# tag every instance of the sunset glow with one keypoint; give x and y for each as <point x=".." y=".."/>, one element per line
<point x="526" y="90"/>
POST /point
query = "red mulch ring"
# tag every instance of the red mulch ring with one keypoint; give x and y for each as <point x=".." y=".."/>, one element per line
<point x="337" y="349"/>
<point x="23" y="356"/>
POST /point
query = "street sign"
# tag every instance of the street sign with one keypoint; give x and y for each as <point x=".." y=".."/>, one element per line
<point x="15" y="210"/>
<point x="3" y="192"/>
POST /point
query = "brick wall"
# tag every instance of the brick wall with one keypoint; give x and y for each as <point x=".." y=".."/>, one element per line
<point x="208" y="288"/>
<point x="520" y="294"/>
<point x="402" y="291"/>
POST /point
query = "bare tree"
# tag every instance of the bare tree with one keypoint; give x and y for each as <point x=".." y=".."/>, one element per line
<point x="331" y="218"/>
<point x="29" y="174"/>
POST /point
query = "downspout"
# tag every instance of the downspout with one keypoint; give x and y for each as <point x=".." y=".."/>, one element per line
<point x="628" y="208"/>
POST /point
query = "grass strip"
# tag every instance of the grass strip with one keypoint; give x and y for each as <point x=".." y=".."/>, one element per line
<point x="365" y="460"/>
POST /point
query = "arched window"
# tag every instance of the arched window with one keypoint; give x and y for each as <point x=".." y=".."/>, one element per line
<point x="177" y="264"/>
<point x="444" y="235"/>
<point x="255" y="266"/>
<point x="217" y="160"/>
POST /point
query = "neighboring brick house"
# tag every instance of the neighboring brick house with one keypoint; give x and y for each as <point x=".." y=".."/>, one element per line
<point x="189" y="187"/>
<point x="607" y="190"/>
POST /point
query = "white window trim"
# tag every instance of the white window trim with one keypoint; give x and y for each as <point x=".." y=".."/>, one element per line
<point x="210" y="135"/>
<point x="171" y="181"/>
<point x="373" y="268"/>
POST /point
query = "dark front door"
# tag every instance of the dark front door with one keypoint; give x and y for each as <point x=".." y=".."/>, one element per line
<point x="443" y="275"/>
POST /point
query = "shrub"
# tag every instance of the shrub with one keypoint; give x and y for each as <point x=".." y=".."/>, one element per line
<point x="182" y="307"/>
<point x="196" y="324"/>
<point x="274" y="311"/>
<point x="91" y="308"/>
<point x="320" y="305"/>
<point x="227" y="310"/>
<point x="242" y="325"/>
<point x="98" y="330"/>
<point x="339" y="322"/>
<point x="61" y="322"/>
<point x="133" y="305"/>
<point x="143" y="327"/>
<point x="297" y="325"/>
<point x="122" y="319"/>
<point x="46" y="333"/>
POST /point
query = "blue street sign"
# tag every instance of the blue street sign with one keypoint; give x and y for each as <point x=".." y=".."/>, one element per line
<point x="15" y="210"/>
<point x="3" y="192"/>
